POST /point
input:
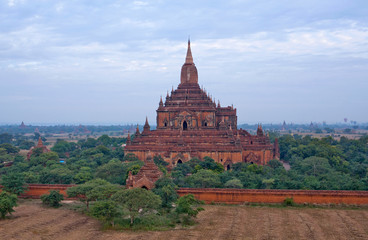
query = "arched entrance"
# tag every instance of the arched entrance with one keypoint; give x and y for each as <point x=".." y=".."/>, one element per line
<point x="144" y="187"/>
<point x="179" y="161"/>
<point x="185" y="125"/>
<point x="228" y="167"/>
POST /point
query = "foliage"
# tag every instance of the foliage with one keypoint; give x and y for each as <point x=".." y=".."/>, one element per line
<point x="204" y="179"/>
<point x="97" y="189"/>
<point x="137" y="201"/>
<point x="288" y="202"/>
<point x="14" y="183"/>
<point x="166" y="189"/>
<point x="7" y="202"/>
<point x="233" y="183"/>
<point x="187" y="205"/>
<point x="52" y="199"/>
<point x="105" y="210"/>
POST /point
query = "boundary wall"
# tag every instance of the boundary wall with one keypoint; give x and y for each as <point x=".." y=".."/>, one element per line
<point x="238" y="196"/>
<point x="37" y="190"/>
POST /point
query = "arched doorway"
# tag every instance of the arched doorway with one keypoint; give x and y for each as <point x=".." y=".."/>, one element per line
<point x="185" y="125"/>
<point x="179" y="161"/>
<point x="144" y="187"/>
<point x="228" y="167"/>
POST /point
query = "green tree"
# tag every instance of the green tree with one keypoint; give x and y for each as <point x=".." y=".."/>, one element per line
<point x="97" y="189"/>
<point x="84" y="175"/>
<point x="165" y="188"/>
<point x="113" y="171"/>
<point x="5" y="138"/>
<point x="137" y="201"/>
<point x="52" y="199"/>
<point x="105" y="210"/>
<point x="14" y="182"/>
<point x="233" y="183"/>
<point x="204" y="179"/>
<point x="187" y="205"/>
<point x="10" y="149"/>
<point x="7" y="202"/>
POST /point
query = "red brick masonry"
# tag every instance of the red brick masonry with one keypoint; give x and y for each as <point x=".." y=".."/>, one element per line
<point x="36" y="190"/>
<point x="239" y="196"/>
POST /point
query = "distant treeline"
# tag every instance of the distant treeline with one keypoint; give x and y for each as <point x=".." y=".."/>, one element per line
<point x="91" y="129"/>
<point x="74" y="129"/>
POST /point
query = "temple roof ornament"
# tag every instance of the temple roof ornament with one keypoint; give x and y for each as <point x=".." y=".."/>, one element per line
<point x="189" y="73"/>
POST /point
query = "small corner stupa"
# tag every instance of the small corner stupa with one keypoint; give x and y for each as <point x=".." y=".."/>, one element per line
<point x="146" y="177"/>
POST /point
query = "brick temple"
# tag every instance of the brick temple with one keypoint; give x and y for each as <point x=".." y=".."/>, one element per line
<point x="40" y="146"/>
<point x="191" y="125"/>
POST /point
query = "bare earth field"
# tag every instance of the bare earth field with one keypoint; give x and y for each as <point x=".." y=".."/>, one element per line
<point x="33" y="221"/>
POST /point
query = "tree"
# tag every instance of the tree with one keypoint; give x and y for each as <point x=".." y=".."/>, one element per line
<point x="204" y="179"/>
<point x="7" y="202"/>
<point x="137" y="201"/>
<point x="52" y="199"/>
<point x="14" y="183"/>
<point x="188" y="206"/>
<point x="5" y="138"/>
<point x="10" y="149"/>
<point x="105" y="210"/>
<point x="233" y="183"/>
<point x="84" y="175"/>
<point x="165" y="188"/>
<point x="274" y="163"/>
<point x="113" y="171"/>
<point x="97" y="189"/>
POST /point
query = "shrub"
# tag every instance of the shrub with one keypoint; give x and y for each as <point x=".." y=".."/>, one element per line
<point x="187" y="207"/>
<point x="289" y="202"/>
<point x="7" y="202"/>
<point x="53" y="199"/>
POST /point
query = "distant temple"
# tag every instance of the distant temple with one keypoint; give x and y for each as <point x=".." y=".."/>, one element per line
<point x="39" y="146"/>
<point x="190" y="124"/>
<point x="22" y="125"/>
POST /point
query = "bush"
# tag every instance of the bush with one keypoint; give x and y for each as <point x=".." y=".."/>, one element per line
<point x="187" y="207"/>
<point x="53" y="199"/>
<point x="289" y="202"/>
<point x="7" y="202"/>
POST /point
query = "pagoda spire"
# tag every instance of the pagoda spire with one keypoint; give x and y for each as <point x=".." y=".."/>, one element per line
<point x="137" y="130"/>
<point x="161" y="104"/>
<point x="128" y="141"/>
<point x="189" y="58"/>
<point x="146" y="126"/>
<point x="39" y="144"/>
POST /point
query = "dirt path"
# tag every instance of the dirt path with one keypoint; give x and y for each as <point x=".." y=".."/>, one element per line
<point x="32" y="221"/>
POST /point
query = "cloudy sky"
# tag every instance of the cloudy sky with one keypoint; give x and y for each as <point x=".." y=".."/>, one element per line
<point x="108" y="62"/>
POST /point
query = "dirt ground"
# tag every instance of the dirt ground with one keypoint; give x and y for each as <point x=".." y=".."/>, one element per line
<point x="33" y="221"/>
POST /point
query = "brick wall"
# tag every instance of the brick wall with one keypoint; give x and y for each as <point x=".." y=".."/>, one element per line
<point x="36" y="190"/>
<point x="239" y="196"/>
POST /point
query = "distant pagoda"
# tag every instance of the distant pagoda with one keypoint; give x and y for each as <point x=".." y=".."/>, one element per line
<point x="39" y="146"/>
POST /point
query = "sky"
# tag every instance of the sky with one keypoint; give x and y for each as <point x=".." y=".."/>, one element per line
<point x="108" y="62"/>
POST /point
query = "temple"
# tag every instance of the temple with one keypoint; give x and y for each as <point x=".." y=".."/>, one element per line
<point x="40" y="146"/>
<point x="191" y="125"/>
<point x="148" y="174"/>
